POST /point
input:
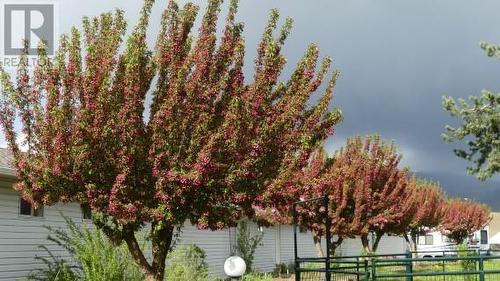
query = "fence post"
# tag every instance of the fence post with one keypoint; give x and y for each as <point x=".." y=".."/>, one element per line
<point x="443" y="265"/>
<point x="374" y="269"/>
<point x="481" y="268"/>
<point x="295" y="250"/>
<point x="367" y="272"/>
<point x="357" y="269"/>
<point x="328" y="238"/>
<point x="409" y="267"/>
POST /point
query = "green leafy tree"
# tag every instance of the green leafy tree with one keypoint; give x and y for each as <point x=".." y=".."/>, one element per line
<point x="211" y="146"/>
<point x="480" y="128"/>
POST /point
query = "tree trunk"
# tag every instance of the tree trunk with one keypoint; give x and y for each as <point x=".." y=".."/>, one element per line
<point x="161" y="240"/>
<point x="366" y="244"/>
<point x="317" y="245"/>
<point x="414" y="237"/>
<point x="334" y="245"/>
<point x="378" y="237"/>
<point x="411" y="243"/>
<point x="136" y="252"/>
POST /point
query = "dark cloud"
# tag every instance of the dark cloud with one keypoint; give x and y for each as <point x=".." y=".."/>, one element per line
<point x="463" y="186"/>
<point x="398" y="58"/>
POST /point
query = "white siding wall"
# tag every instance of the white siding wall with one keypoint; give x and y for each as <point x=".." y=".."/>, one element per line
<point x="391" y="245"/>
<point x="387" y="245"/>
<point x="351" y="247"/>
<point x="305" y="244"/>
<point x="215" y="243"/>
<point x="286" y="243"/>
<point x="265" y="255"/>
<point x="21" y="236"/>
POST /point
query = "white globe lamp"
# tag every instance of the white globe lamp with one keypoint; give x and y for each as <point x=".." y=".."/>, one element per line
<point x="235" y="267"/>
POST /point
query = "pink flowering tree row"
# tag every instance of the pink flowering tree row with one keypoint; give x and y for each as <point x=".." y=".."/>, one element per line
<point x="370" y="195"/>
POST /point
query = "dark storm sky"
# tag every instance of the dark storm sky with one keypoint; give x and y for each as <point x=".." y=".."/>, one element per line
<point x="397" y="58"/>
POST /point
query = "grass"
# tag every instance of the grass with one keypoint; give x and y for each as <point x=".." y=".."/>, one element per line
<point x="393" y="267"/>
<point x="437" y="267"/>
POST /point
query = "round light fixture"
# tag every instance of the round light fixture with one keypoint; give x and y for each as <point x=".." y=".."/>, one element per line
<point x="235" y="267"/>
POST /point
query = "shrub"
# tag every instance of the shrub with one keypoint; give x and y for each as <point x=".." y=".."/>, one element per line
<point x="94" y="257"/>
<point x="291" y="267"/>
<point x="56" y="269"/>
<point x="100" y="259"/>
<point x="247" y="244"/>
<point x="280" y="270"/>
<point x="187" y="263"/>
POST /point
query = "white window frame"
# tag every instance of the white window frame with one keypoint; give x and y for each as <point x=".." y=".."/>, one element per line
<point x="34" y="212"/>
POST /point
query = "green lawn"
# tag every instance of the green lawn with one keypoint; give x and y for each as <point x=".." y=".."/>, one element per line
<point x="454" y="268"/>
<point x="432" y="270"/>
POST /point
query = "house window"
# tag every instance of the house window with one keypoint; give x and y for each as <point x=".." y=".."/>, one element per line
<point x="86" y="212"/>
<point x="484" y="237"/>
<point x="426" y="240"/>
<point x="27" y="209"/>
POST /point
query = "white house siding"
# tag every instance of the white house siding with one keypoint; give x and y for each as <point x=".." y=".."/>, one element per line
<point x="20" y="236"/>
<point x="265" y="255"/>
<point x="391" y="245"/>
<point x="286" y="243"/>
<point x="215" y="244"/>
<point x="305" y="245"/>
<point x="495" y="239"/>
<point x="387" y="245"/>
<point x="350" y="247"/>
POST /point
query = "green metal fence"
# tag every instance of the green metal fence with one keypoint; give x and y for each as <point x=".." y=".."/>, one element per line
<point x="453" y="266"/>
<point x="479" y="268"/>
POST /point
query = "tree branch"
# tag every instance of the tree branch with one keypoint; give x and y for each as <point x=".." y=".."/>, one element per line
<point x="136" y="252"/>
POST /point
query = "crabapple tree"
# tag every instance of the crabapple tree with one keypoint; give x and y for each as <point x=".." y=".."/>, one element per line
<point x="364" y="186"/>
<point x="423" y="208"/>
<point x="462" y="218"/>
<point x="209" y="146"/>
